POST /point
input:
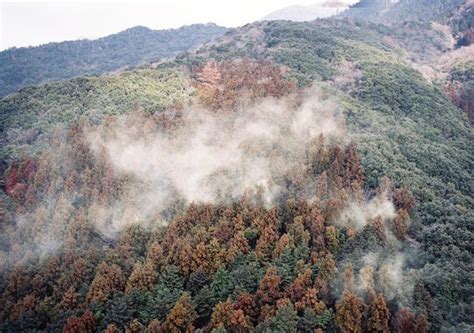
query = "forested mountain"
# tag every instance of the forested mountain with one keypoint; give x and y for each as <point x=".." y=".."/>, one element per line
<point x="457" y="13"/>
<point x="284" y="177"/>
<point x="452" y="18"/>
<point x="20" y="67"/>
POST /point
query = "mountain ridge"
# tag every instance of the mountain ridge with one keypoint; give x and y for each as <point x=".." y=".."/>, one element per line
<point x="54" y="61"/>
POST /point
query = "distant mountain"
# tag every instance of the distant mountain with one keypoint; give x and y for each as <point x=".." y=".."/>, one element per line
<point x="457" y="13"/>
<point x="307" y="13"/>
<point x="20" y="67"/>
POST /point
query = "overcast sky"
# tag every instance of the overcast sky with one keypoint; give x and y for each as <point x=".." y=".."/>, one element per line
<point x="31" y="23"/>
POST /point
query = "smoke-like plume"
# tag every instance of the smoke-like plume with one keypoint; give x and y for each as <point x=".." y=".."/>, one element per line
<point x="387" y="273"/>
<point x="358" y="214"/>
<point x="219" y="156"/>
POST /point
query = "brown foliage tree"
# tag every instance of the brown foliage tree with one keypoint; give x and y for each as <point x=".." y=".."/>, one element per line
<point x="185" y="256"/>
<point x="142" y="278"/>
<point x="269" y="289"/>
<point x="111" y="328"/>
<point x="155" y="255"/>
<point x="199" y="257"/>
<point x="404" y="321"/>
<point x="155" y="326"/>
<point x="322" y="185"/>
<point x="246" y="303"/>
<point x="297" y="232"/>
<point x="317" y="223"/>
<point x="221" y="86"/>
<point x="108" y="279"/>
<point x="355" y="173"/>
<point x="378" y="226"/>
<point x="181" y="317"/>
<point x="322" y="287"/>
<point x="400" y="223"/>
<point x="135" y="327"/>
<point x="225" y="315"/>
<point x="240" y="242"/>
<point x="209" y="75"/>
<point x="283" y="243"/>
<point x="349" y="313"/>
<point x="377" y="314"/>
<point x="310" y="301"/>
<point x="337" y="168"/>
<point x="27" y="303"/>
<point x="403" y="199"/>
<point x="349" y="281"/>
<point x="70" y="299"/>
<point x="266" y="242"/>
<point x="84" y="324"/>
<point x="296" y="290"/>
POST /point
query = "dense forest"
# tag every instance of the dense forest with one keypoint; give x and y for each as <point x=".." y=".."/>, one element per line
<point x="458" y="14"/>
<point x="20" y="67"/>
<point x="283" y="177"/>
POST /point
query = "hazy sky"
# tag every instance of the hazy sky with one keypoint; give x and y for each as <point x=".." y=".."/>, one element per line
<point x="25" y="23"/>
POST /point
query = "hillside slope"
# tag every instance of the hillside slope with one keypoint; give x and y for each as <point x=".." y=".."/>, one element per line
<point x="26" y="66"/>
<point x="456" y="13"/>
<point x="368" y="203"/>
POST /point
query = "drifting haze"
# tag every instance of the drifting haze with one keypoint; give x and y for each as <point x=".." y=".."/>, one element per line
<point x="217" y="157"/>
<point x="211" y="156"/>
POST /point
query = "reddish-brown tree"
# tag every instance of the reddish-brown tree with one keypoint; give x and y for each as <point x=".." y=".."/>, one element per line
<point x="404" y="321"/>
<point x="349" y="313"/>
<point x="400" y="223"/>
<point x="403" y="199"/>
<point x="310" y="301"/>
<point x="84" y="324"/>
<point x="111" y="328"/>
<point x="283" y="243"/>
<point x="225" y="315"/>
<point x="377" y="314"/>
<point x="246" y="303"/>
<point x="108" y="279"/>
<point x="298" y="287"/>
<point x="266" y="242"/>
<point x="155" y="326"/>
<point x="181" y="317"/>
<point x="378" y="226"/>
<point x="269" y="289"/>
<point x="142" y="278"/>
<point x="70" y="299"/>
